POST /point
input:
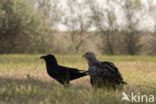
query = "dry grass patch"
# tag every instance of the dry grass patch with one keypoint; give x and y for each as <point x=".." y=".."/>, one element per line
<point x="17" y="88"/>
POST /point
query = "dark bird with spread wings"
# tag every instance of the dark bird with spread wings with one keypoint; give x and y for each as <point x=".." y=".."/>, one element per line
<point x="103" y="74"/>
<point x="61" y="73"/>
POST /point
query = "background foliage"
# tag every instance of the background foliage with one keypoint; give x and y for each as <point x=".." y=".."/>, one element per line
<point x="53" y="26"/>
<point x="22" y="28"/>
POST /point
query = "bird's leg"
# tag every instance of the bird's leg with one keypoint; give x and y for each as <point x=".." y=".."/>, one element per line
<point x="67" y="85"/>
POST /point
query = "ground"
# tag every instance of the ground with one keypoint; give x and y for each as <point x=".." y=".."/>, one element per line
<point x="23" y="80"/>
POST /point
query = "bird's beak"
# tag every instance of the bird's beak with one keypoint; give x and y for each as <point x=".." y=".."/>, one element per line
<point x="42" y="57"/>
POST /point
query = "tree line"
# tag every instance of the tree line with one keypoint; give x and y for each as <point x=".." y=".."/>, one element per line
<point x="105" y="26"/>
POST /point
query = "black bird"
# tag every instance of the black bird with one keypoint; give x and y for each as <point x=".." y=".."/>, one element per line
<point x="103" y="74"/>
<point x="61" y="73"/>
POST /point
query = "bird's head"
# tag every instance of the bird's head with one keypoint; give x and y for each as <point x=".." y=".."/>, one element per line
<point x="49" y="58"/>
<point x="90" y="57"/>
<point x="89" y="54"/>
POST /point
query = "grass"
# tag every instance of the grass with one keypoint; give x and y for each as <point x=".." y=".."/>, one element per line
<point x="39" y="88"/>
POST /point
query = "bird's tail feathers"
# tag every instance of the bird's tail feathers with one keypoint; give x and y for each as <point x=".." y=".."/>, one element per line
<point x="85" y="72"/>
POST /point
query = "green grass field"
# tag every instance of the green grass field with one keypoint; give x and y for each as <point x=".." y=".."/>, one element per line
<point x="17" y="88"/>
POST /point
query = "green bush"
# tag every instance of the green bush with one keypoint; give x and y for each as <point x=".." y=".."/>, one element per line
<point x="22" y="27"/>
